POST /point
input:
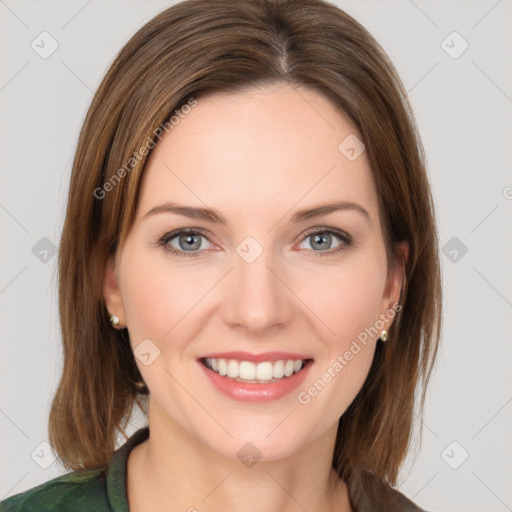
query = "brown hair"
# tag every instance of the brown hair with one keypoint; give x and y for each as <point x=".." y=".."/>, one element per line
<point x="189" y="50"/>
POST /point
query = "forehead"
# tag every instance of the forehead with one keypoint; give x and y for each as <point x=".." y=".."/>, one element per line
<point x="260" y="150"/>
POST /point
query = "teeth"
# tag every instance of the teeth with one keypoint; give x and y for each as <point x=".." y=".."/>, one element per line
<point x="248" y="371"/>
<point x="278" y="371"/>
<point x="223" y="367"/>
<point x="289" y="368"/>
<point x="264" y="371"/>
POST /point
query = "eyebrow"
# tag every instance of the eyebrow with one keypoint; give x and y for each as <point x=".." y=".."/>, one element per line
<point x="210" y="215"/>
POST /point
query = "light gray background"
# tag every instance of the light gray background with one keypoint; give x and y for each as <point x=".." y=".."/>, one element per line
<point x="463" y="107"/>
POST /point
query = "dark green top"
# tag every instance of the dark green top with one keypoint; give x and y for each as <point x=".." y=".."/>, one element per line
<point x="81" y="491"/>
<point x="105" y="491"/>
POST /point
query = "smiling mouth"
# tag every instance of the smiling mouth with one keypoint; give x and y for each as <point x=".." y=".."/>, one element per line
<point x="255" y="373"/>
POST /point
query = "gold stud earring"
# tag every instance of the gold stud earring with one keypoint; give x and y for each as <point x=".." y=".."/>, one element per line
<point x="114" y="320"/>
<point x="384" y="335"/>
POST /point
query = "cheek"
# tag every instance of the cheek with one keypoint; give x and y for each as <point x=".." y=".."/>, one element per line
<point x="347" y="298"/>
<point x="160" y="303"/>
<point x="157" y="297"/>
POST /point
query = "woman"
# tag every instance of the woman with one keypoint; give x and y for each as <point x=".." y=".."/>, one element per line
<point x="227" y="143"/>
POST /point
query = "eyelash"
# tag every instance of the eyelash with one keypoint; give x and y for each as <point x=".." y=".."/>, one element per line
<point x="345" y="238"/>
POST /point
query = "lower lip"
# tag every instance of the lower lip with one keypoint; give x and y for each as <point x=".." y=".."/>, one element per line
<point x="251" y="392"/>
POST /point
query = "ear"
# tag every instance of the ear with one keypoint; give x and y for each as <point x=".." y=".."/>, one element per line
<point x="395" y="281"/>
<point x="111" y="292"/>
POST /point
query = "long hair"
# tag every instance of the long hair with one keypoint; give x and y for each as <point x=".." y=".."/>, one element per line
<point x="198" y="47"/>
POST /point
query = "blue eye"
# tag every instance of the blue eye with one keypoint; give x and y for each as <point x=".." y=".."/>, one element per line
<point x="190" y="242"/>
<point x="320" y="239"/>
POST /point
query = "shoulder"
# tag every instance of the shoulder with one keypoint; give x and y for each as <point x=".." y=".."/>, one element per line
<point x="75" y="491"/>
<point x="95" y="490"/>
<point x="369" y="493"/>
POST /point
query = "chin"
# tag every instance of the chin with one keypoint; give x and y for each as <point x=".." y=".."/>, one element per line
<point x="251" y="450"/>
<point x="265" y="439"/>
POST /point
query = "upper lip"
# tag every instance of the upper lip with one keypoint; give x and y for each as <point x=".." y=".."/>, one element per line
<point x="256" y="358"/>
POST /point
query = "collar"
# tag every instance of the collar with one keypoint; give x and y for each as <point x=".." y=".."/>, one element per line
<point x="116" y="472"/>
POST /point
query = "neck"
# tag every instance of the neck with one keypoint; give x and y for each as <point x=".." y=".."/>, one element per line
<point x="174" y="467"/>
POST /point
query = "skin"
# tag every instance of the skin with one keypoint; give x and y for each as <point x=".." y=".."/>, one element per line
<point x="256" y="157"/>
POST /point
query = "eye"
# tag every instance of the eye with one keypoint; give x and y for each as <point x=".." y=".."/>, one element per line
<point x="188" y="242"/>
<point x="184" y="242"/>
<point x="322" y="239"/>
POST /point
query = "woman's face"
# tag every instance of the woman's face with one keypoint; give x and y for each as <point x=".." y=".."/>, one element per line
<point x="261" y="278"/>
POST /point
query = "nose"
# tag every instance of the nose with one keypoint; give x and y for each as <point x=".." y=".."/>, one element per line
<point x="256" y="296"/>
